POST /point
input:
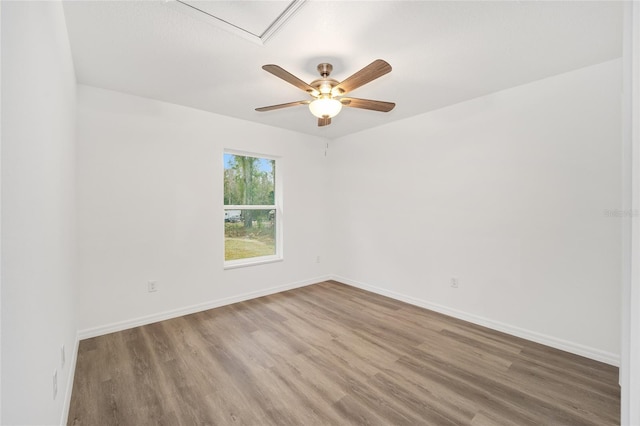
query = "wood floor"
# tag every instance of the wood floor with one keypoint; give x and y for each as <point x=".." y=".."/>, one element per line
<point x="329" y="354"/>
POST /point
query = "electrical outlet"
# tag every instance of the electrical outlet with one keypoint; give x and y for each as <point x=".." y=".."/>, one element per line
<point x="454" y="282"/>
<point x="152" y="286"/>
<point x="55" y="383"/>
<point x="62" y="357"/>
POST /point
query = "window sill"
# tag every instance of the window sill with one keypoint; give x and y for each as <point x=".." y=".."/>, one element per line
<point x="242" y="263"/>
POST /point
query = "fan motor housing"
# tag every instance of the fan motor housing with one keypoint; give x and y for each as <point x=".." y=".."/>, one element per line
<point x="321" y="84"/>
<point x="325" y="84"/>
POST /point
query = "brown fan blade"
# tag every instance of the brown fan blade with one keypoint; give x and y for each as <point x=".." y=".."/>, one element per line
<point x="289" y="104"/>
<point x="288" y="77"/>
<point x="381" y="106"/>
<point x="325" y="121"/>
<point x="369" y="73"/>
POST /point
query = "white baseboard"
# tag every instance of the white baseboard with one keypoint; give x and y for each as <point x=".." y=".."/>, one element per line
<point x="575" y="348"/>
<point x="66" y="404"/>
<point x="174" y="313"/>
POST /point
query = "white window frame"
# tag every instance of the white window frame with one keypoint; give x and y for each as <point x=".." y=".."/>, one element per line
<point x="277" y="207"/>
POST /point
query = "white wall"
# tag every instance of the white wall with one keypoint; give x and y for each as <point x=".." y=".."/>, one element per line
<point x="508" y="194"/>
<point x="38" y="243"/>
<point x="150" y="208"/>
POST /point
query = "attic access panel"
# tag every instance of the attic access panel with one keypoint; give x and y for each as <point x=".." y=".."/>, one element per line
<point x="254" y="20"/>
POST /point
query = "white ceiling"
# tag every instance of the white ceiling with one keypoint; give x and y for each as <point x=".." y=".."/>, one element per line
<point x="442" y="53"/>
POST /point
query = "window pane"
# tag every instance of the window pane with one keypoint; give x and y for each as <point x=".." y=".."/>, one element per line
<point x="249" y="233"/>
<point x="248" y="180"/>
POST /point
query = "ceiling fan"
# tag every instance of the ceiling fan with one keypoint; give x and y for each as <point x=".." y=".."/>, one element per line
<point x="328" y="93"/>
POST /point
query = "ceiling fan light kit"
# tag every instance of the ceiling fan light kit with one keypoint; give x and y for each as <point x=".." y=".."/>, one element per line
<point x="328" y="93"/>
<point x="325" y="107"/>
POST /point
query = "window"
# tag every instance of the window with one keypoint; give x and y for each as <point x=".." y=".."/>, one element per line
<point x="251" y="210"/>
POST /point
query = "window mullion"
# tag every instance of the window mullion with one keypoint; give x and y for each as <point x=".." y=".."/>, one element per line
<point x="250" y="207"/>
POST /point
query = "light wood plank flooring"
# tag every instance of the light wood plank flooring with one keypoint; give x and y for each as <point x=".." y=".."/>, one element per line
<point x="330" y="354"/>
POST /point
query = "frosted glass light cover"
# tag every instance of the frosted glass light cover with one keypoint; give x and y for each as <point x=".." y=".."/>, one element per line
<point x="325" y="107"/>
